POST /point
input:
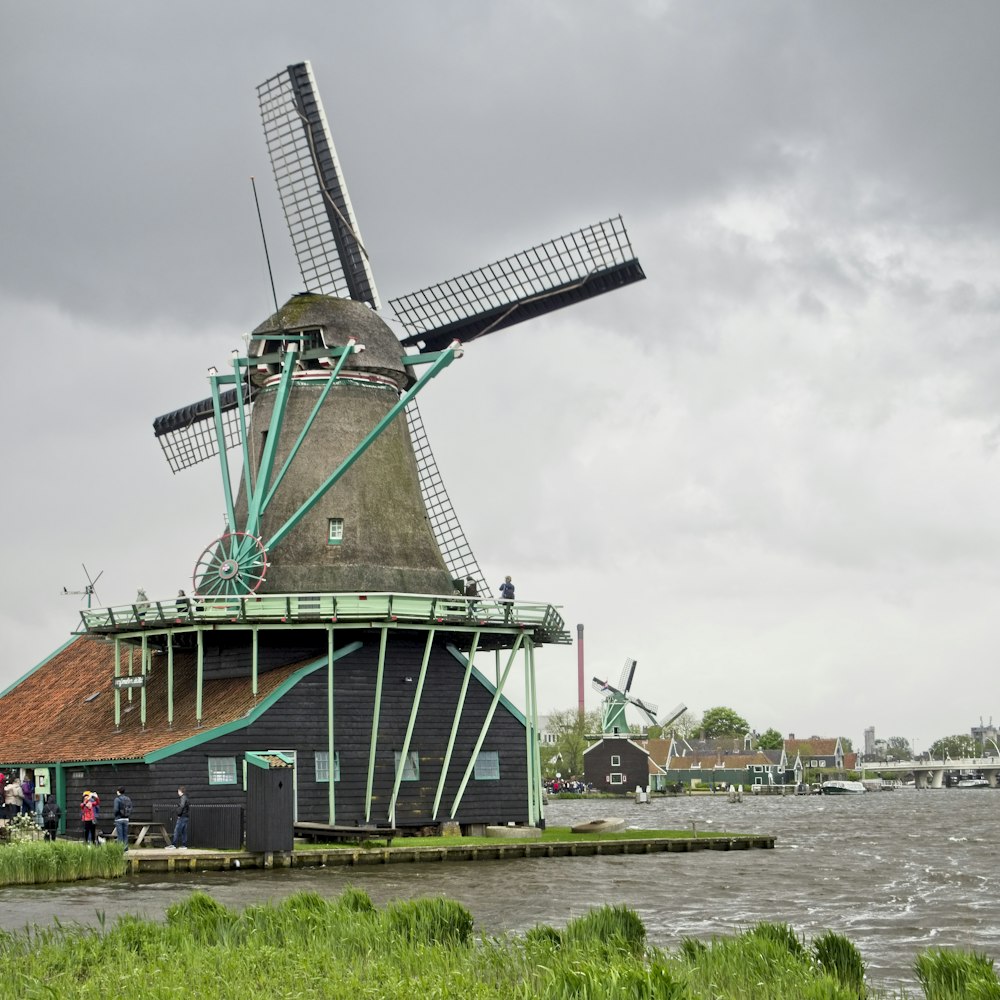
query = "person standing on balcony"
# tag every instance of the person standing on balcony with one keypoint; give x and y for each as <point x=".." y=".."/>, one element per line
<point x="507" y="596"/>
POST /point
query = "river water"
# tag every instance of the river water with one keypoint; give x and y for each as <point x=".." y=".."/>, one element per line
<point x="896" y="872"/>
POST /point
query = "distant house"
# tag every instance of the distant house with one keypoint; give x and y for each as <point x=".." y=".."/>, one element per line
<point x="723" y="769"/>
<point x="618" y="764"/>
<point x="816" y="752"/>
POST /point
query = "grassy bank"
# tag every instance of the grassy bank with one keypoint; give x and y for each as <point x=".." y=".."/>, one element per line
<point x="310" y="948"/>
<point x="551" y="834"/>
<point x="32" y="862"/>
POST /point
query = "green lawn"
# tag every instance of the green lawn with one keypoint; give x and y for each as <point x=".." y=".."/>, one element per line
<point x="551" y="834"/>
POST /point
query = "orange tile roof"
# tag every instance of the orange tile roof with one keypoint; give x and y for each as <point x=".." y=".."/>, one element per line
<point x="62" y="726"/>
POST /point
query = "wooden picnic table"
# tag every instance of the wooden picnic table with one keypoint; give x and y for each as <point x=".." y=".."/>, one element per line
<point x="141" y="829"/>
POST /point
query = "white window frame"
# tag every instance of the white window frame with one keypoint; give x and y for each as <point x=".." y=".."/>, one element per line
<point x="222" y="771"/>
<point x="490" y="766"/>
<point x="616" y="760"/>
<point x="616" y="779"/>
<point x="321" y="762"/>
<point x="335" y="530"/>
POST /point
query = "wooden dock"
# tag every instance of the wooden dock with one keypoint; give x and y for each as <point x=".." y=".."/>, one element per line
<point x="142" y="860"/>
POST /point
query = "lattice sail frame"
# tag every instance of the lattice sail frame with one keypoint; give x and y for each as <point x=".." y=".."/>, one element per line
<point x="567" y="269"/>
<point x="318" y="210"/>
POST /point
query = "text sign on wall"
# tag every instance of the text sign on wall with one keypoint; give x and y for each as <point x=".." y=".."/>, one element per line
<point x="130" y="682"/>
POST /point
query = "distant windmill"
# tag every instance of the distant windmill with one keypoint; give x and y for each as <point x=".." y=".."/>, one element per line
<point x="89" y="590"/>
<point x="617" y="699"/>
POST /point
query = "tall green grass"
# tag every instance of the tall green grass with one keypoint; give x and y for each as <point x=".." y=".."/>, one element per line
<point x="957" y="975"/>
<point x="311" y="948"/>
<point x="33" y="862"/>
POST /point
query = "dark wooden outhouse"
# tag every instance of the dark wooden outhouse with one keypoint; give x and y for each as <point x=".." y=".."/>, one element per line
<point x="270" y="802"/>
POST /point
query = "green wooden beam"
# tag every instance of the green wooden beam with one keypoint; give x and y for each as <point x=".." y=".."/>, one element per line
<point x="255" y="499"/>
<point x="445" y="359"/>
<point x="455" y="722"/>
<point x="375" y="714"/>
<point x="330" y="744"/>
<point x="239" y="361"/>
<point x="409" y="728"/>
<point x="529" y="759"/>
<point x="485" y="729"/>
<point x="344" y="353"/>
<point x="253" y="659"/>
<point x="220" y="434"/>
<point x="145" y="674"/>
<point x="200" y="675"/>
<point x="536" y="746"/>
<point x="170" y="682"/>
<point x="118" y="673"/>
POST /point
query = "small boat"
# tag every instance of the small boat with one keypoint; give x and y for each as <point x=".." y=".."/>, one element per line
<point x="842" y="787"/>
<point x="972" y="783"/>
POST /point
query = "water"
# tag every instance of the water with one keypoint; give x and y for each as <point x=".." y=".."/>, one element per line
<point x="896" y="872"/>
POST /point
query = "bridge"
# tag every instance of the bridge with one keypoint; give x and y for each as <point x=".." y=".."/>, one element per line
<point x="930" y="773"/>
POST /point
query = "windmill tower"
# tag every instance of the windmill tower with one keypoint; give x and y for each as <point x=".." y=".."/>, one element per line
<point x="296" y="493"/>
<point x="336" y="573"/>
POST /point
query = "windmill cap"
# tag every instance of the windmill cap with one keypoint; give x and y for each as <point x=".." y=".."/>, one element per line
<point x="339" y="320"/>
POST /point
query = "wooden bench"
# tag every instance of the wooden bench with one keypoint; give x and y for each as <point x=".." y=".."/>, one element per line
<point x="319" y="832"/>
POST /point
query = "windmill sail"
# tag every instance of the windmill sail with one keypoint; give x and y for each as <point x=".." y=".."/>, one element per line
<point x="328" y="246"/>
<point x="188" y="437"/>
<point x="536" y="281"/>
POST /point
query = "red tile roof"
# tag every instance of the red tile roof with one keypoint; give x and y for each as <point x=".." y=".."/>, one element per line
<point x="46" y="717"/>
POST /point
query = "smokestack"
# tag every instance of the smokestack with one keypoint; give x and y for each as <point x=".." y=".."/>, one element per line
<point x="579" y="669"/>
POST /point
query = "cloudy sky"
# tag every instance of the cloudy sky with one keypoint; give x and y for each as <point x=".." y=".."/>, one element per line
<point x="769" y="472"/>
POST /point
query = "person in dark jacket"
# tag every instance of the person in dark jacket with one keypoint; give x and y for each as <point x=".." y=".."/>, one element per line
<point x="180" y="838"/>
<point x="51" y="814"/>
<point x="121" y="812"/>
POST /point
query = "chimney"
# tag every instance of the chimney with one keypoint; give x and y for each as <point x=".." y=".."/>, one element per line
<point x="791" y="736"/>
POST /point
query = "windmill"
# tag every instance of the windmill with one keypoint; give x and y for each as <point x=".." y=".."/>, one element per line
<point x="305" y="405"/>
<point x="89" y="590"/>
<point x="617" y="699"/>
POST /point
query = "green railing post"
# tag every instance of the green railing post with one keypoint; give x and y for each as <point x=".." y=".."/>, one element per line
<point x="375" y="713"/>
<point x="454" y="725"/>
<point x="409" y="727"/>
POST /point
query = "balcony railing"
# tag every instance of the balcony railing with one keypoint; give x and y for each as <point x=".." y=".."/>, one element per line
<point x="323" y="609"/>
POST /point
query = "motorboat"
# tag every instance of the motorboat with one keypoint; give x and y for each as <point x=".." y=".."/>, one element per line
<point x="972" y="783"/>
<point x="842" y="787"/>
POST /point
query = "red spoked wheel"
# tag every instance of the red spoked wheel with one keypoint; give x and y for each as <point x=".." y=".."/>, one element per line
<point x="231" y="566"/>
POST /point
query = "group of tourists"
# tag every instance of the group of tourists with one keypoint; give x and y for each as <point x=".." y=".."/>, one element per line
<point x="19" y="799"/>
<point x="18" y="793"/>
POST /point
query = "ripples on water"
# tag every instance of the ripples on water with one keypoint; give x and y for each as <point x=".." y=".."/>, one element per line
<point x="896" y="872"/>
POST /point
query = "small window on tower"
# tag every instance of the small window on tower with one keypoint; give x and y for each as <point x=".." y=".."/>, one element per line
<point x="335" y="533"/>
